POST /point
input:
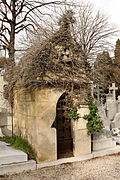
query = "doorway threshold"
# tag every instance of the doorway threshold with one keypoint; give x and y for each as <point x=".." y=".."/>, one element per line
<point x="94" y="154"/>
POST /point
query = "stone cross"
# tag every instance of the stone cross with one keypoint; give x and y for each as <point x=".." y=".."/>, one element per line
<point x="113" y="89"/>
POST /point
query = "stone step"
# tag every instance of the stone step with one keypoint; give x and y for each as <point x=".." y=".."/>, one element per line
<point x="17" y="167"/>
<point x="8" y="155"/>
<point x="107" y="151"/>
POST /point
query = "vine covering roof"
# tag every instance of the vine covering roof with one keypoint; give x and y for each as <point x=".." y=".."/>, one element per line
<point x="56" y="62"/>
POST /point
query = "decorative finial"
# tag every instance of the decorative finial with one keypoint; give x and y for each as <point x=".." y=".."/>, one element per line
<point x="67" y="18"/>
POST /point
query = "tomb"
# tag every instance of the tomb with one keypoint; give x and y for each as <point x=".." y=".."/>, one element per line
<point x="54" y="79"/>
<point x="110" y="114"/>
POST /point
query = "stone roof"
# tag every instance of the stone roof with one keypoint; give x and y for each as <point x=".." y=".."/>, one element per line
<point x="58" y="62"/>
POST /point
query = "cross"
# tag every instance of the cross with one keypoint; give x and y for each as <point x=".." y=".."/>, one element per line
<point x="113" y="89"/>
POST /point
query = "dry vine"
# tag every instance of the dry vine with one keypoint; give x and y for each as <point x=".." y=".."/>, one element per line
<point x="56" y="62"/>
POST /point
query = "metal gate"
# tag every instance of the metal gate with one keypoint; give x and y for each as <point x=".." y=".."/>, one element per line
<point x="63" y="122"/>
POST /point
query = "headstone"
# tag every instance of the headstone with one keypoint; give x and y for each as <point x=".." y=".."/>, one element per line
<point x="110" y="114"/>
<point x="118" y="103"/>
<point x="102" y="141"/>
<point x="113" y="89"/>
<point x="111" y="107"/>
<point x="116" y="122"/>
<point x="102" y="114"/>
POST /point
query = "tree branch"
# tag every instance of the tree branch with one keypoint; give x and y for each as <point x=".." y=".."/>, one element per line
<point x="1" y="34"/>
<point x="23" y="27"/>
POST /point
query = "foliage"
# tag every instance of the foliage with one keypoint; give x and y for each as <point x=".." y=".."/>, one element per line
<point x="72" y="113"/>
<point x="117" y="61"/>
<point x="117" y="51"/>
<point x="103" y="69"/>
<point x="94" y="121"/>
<point x="106" y="69"/>
<point x="20" y="143"/>
<point x="3" y="62"/>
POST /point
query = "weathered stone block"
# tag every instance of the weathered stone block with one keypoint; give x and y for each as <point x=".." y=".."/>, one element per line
<point x="17" y="167"/>
<point x="82" y="143"/>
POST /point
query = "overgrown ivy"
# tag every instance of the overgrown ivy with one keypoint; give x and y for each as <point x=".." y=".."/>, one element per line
<point x="72" y="113"/>
<point x="95" y="123"/>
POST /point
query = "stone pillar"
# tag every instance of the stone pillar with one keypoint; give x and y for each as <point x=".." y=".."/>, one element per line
<point x="82" y="141"/>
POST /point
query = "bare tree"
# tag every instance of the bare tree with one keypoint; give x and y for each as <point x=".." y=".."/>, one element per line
<point x="16" y="16"/>
<point x="92" y="30"/>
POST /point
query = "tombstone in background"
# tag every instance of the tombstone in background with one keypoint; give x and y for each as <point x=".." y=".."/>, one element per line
<point x="107" y="113"/>
<point x="103" y="115"/>
<point x="116" y="122"/>
<point x="115" y="125"/>
<point x="102" y="141"/>
<point x="111" y="103"/>
<point x="5" y="112"/>
<point x="111" y="107"/>
<point x="108" y="110"/>
<point x="118" y="107"/>
<point x="113" y="113"/>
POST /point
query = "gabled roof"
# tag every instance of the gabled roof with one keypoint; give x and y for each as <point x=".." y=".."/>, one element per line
<point x="56" y="63"/>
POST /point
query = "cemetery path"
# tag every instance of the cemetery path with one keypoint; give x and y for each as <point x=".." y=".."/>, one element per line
<point x="105" y="168"/>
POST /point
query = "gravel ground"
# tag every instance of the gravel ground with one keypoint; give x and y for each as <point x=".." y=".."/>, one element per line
<point x="104" y="168"/>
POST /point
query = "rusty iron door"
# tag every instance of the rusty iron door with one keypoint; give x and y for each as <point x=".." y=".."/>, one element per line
<point x="64" y="134"/>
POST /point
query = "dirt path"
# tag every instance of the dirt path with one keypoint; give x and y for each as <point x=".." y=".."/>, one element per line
<point x="104" y="168"/>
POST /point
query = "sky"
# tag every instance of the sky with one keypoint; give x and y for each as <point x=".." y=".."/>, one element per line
<point x="110" y="8"/>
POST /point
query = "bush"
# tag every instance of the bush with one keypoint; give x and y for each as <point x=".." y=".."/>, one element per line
<point x="72" y="113"/>
<point x="94" y="123"/>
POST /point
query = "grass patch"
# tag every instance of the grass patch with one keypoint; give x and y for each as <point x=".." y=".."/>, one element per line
<point x="19" y="143"/>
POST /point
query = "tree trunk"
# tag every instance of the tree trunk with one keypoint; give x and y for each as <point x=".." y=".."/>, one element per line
<point x="11" y="49"/>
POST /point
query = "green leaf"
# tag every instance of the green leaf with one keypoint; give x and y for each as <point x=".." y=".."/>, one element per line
<point x="94" y="121"/>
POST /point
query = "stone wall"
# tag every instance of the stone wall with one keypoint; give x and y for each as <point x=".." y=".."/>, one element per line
<point x="82" y="141"/>
<point x="5" y="112"/>
<point x="34" y="114"/>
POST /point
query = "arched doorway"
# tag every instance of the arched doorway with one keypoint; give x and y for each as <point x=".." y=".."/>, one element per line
<point x="63" y="126"/>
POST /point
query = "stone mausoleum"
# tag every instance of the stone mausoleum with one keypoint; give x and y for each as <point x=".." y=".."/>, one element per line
<point x="53" y="78"/>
